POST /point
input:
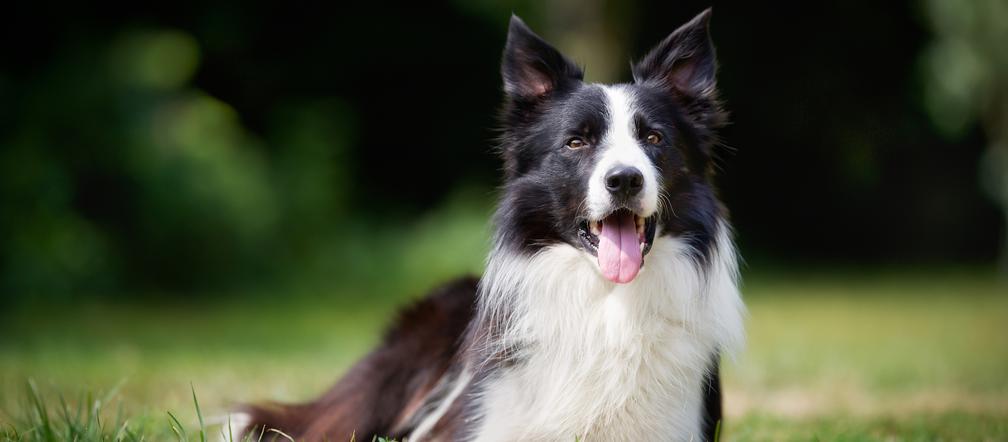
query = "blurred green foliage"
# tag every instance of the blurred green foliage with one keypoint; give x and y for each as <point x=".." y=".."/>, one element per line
<point x="180" y="178"/>
<point x="214" y="148"/>
<point x="966" y="69"/>
<point x="140" y="179"/>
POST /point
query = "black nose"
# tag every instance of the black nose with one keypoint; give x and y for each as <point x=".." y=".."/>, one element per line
<point x="624" y="181"/>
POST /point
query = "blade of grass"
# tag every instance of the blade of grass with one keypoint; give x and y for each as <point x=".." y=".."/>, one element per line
<point x="178" y="428"/>
<point x="281" y="433"/>
<point x="199" y="414"/>
<point x="44" y="425"/>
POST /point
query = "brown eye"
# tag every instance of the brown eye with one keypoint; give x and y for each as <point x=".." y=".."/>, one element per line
<point x="654" y="138"/>
<point x="576" y="143"/>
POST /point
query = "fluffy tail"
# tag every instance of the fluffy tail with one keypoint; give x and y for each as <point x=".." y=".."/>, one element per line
<point x="379" y="395"/>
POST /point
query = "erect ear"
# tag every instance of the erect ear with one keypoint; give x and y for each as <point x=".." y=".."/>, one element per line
<point x="531" y="67"/>
<point x="684" y="62"/>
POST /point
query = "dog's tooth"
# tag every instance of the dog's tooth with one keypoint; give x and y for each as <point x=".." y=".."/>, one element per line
<point x="595" y="229"/>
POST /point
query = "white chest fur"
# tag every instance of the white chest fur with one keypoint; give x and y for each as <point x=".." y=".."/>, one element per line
<point x="606" y="361"/>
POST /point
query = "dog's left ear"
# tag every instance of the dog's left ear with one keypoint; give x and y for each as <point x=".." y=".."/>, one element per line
<point x="684" y="62"/>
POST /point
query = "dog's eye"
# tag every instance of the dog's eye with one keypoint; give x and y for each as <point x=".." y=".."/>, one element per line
<point x="576" y="143"/>
<point x="654" y="137"/>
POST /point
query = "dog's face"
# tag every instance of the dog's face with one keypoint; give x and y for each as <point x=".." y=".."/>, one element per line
<point x="605" y="168"/>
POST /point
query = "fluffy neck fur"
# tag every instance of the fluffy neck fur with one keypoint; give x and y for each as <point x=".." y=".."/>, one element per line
<point x="566" y="353"/>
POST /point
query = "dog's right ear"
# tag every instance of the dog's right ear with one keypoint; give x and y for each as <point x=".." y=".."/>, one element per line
<point x="532" y="69"/>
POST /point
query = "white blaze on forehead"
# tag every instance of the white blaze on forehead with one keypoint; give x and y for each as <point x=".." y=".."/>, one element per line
<point x="621" y="148"/>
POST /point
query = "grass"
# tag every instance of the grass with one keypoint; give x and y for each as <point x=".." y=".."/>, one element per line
<point x="890" y="356"/>
<point x="87" y="421"/>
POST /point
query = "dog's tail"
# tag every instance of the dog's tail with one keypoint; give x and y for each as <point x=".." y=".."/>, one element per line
<point x="264" y="423"/>
<point x="380" y="394"/>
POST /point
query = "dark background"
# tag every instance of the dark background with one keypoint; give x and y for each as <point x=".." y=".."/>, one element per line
<point x="212" y="147"/>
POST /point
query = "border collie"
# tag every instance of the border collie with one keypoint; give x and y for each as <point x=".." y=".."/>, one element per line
<point x="569" y="335"/>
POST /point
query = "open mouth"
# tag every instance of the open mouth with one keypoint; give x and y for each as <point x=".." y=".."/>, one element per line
<point x="619" y="241"/>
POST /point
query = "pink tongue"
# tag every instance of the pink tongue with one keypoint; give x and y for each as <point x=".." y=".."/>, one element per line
<point x="619" y="254"/>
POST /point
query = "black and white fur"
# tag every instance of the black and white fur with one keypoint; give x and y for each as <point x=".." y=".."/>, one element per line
<point x="544" y="347"/>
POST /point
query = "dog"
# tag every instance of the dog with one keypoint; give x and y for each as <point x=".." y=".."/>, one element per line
<point x="568" y="335"/>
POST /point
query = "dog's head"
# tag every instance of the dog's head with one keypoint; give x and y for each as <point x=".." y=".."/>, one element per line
<point x="607" y="168"/>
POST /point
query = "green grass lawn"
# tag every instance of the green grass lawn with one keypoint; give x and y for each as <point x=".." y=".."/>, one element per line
<point x="894" y="356"/>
